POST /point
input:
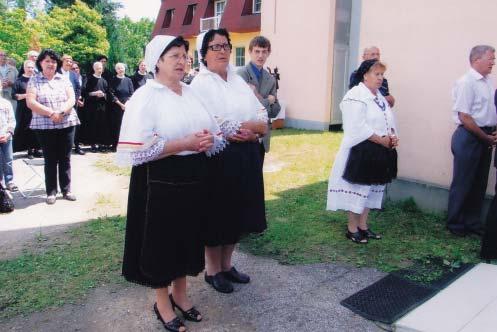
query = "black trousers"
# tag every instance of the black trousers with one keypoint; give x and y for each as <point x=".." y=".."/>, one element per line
<point x="56" y="145"/>
<point x="469" y="181"/>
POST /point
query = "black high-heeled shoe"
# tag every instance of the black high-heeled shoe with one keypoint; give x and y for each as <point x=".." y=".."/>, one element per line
<point x="191" y="314"/>
<point x="369" y="234"/>
<point x="174" y="325"/>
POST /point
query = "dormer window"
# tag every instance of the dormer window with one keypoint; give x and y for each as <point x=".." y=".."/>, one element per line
<point x="168" y="19"/>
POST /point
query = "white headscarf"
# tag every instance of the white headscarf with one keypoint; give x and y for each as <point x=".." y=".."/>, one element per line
<point x="154" y="49"/>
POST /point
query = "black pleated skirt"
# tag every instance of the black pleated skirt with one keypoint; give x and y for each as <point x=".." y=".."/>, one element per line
<point x="371" y="164"/>
<point x="166" y="212"/>
<point x="236" y="192"/>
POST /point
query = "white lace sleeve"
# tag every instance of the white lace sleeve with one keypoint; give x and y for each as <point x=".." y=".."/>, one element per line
<point x="229" y="127"/>
<point x="219" y="145"/>
<point x="262" y="115"/>
<point x="152" y="153"/>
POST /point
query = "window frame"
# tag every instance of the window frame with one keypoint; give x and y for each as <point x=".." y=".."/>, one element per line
<point x="253" y="7"/>
<point x="240" y="56"/>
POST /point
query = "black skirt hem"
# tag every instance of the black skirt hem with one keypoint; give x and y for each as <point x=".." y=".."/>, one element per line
<point x="159" y="284"/>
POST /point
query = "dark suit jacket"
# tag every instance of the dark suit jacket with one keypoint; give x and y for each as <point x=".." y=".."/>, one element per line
<point x="75" y="84"/>
<point x="265" y="87"/>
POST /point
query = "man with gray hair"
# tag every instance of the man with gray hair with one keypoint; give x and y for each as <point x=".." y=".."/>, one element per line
<point x="370" y="53"/>
<point x="474" y="113"/>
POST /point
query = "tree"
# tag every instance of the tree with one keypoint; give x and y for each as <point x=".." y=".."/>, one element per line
<point x="128" y="41"/>
<point x="76" y="30"/>
<point x="16" y="33"/>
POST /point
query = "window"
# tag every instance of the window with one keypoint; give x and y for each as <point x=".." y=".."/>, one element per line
<point x="240" y="56"/>
<point x="195" y="59"/>
<point x="219" y="7"/>
<point x="190" y="13"/>
<point x="257" y="6"/>
<point x="168" y="18"/>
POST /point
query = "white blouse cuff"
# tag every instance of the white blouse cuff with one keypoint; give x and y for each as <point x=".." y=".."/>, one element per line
<point x="262" y="115"/>
<point x="150" y="154"/>
<point x="218" y="146"/>
<point x="230" y="127"/>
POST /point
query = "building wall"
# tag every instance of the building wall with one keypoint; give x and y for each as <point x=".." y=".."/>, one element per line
<point x="301" y="35"/>
<point x="425" y="45"/>
<point x="237" y="40"/>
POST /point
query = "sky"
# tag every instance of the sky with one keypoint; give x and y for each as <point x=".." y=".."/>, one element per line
<point x="137" y="9"/>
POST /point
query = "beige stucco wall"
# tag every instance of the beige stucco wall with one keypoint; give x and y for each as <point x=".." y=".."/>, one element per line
<point x="302" y="50"/>
<point x="426" y="45"/>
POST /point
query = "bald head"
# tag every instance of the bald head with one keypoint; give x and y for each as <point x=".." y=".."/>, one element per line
<point x="371" y="53"/>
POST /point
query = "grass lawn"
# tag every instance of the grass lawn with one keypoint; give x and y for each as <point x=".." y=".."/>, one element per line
<point x="299" y="231"/>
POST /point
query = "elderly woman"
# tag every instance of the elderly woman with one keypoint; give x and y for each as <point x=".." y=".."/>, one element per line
<point x="24" y="137"/>
<point x="50" y="96"/>
<point x="141" y="75"/>
<point x="96" y="126"/>
<point x="238" y="180"/>
<point x="121" y="89"/>
<point x="166" y="134"/>
<point x="366" y="160"/>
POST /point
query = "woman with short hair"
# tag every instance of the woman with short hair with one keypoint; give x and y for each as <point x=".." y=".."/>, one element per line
<point x="121" y="89"/>
<point x="367" y="159"/>
<point x="237" y="177"/>
<point x="141" y="75"/>
<point x="50" y="96"/>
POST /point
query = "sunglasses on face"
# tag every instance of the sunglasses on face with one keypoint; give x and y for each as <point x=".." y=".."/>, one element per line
<point x="218" y="47"/>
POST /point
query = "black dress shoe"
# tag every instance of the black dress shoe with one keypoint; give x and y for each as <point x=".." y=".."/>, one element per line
<point x="369" y="234"/>
<point x="191" y="314"/>
<point x="478" y="232"/>
<point x="93" y="149"/>
<point x="174" y="325"/>
<point x="234" y="276"/>
<point x="79" y="151"/>
<point x="219" y="282"/>
<point x="457" y="232"/>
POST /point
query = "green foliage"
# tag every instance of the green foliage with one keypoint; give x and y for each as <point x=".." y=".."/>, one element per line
<point x="16" y="33"/>
<point x="128" y="40"/>
<point x="76" y="30"/>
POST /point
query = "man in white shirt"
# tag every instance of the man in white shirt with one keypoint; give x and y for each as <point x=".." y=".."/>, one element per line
<point x="472" y="142"/>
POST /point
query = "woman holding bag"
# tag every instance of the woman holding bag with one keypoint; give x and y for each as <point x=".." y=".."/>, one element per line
<point x="367" y="159"/>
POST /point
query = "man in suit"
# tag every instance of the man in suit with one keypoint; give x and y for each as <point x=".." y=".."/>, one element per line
<point x="262" y="82"/>
<point x="66" y="70"/>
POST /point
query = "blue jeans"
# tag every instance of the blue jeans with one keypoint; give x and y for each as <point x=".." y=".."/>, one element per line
<point x="6" y="158"/>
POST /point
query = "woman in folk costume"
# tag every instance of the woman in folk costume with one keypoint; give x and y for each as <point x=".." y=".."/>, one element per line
<point x="367" y="158"/>
<point x="167" y="136"/>
<point x="237" y="176"/>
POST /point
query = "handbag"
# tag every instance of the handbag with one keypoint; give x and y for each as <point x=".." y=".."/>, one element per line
<point x="6" y="202"/>
<point x="370" y="163"/>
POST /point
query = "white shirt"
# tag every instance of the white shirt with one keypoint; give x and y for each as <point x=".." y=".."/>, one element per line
<point x="231" y="100"/>
<point x="473" y="94"/>
<point x="362" y="115"/>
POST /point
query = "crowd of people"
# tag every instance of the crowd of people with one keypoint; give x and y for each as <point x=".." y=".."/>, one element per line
<point x="196" y="141"/>
<point x="100" y="99"/>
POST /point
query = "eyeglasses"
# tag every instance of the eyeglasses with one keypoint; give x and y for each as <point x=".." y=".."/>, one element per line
<point x="218" y="47"/>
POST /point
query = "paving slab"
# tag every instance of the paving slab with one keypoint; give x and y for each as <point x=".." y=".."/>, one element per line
<point x="468" y="301"/>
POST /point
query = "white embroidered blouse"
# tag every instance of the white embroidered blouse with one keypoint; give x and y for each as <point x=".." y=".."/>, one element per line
<point x="231" y="102"/>
<point x="155" y="115"/>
